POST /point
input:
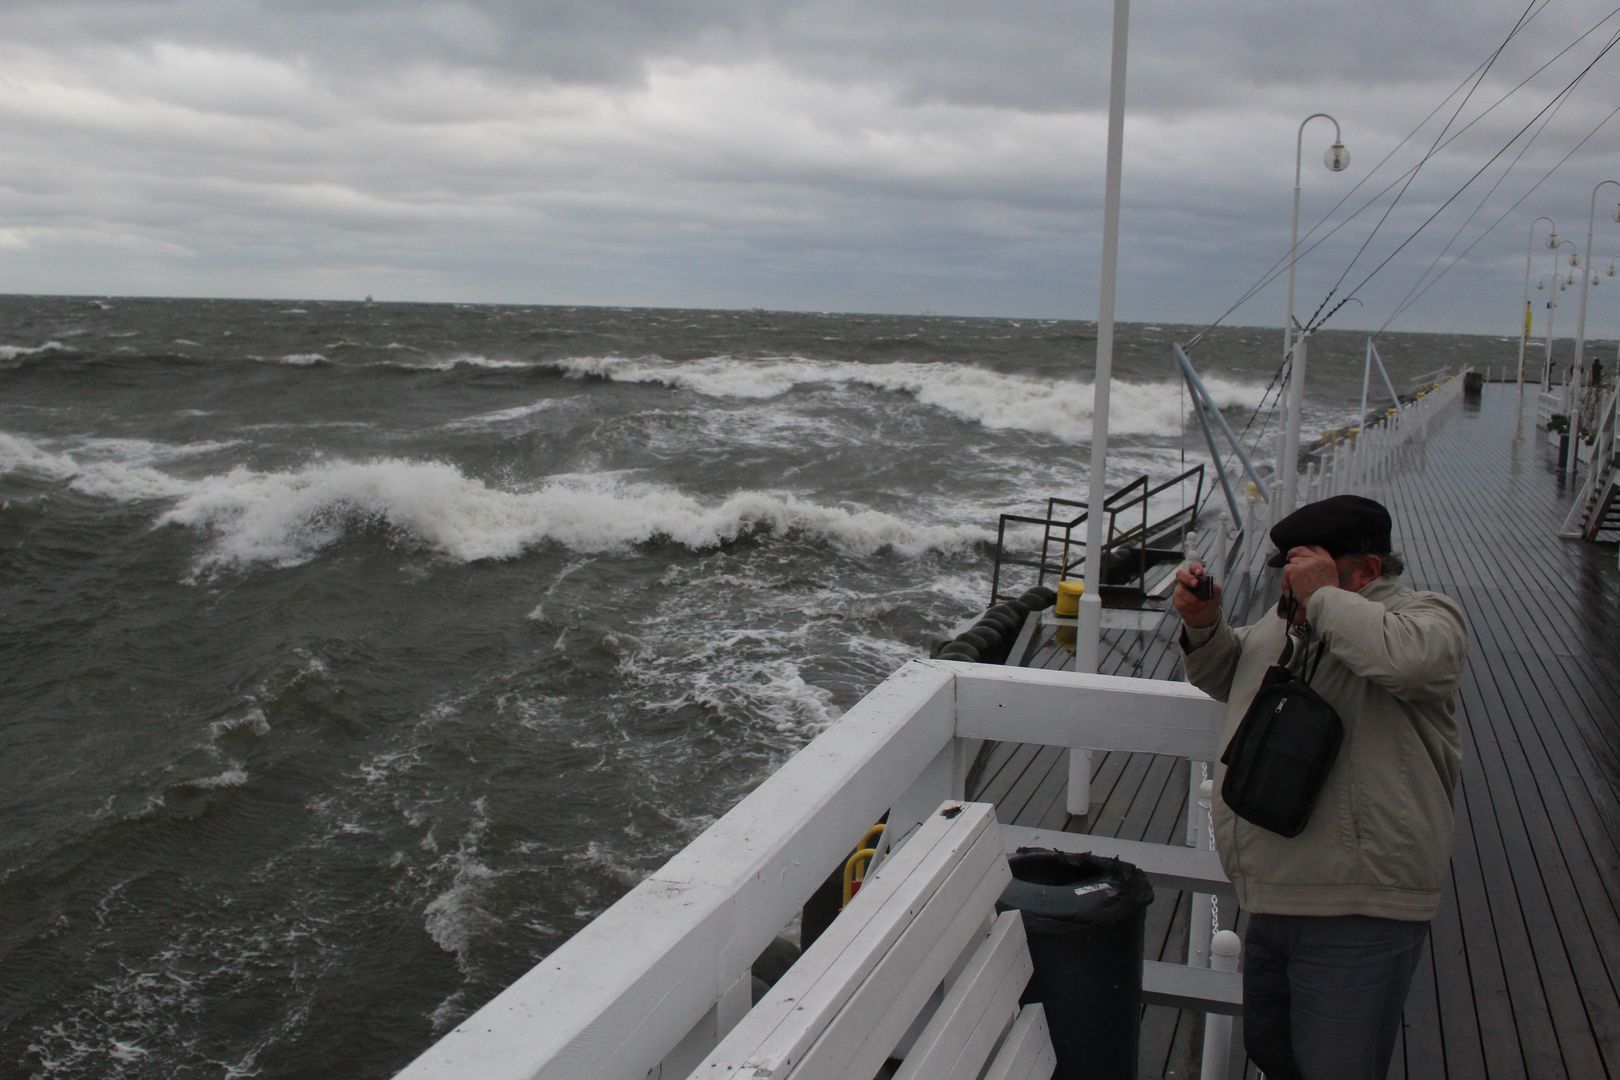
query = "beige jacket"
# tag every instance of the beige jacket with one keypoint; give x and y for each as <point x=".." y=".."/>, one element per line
<point x="1379" y="840"/>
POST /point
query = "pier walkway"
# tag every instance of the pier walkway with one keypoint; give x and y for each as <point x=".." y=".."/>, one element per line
<point x="1522" y="977"/>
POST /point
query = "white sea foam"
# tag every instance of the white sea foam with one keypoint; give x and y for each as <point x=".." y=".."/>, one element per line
<point x="116" y="469"/>
<point x="251" y="722"/>
<point x="454" y="918"/>
<point x="503" y="416"/>
<point x="286" y="518"/>
<point x="235" y="776"/>
<point x="463" y="360"/>
<point x="26" y="458"/>
<point x="992" y="399"/>
<point x="13" y="352"/>
<point x="310" y="359"/>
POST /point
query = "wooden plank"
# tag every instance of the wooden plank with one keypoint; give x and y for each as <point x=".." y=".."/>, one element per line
<point x="1048" y="806"/>
<point x="1173" y="865"/>
<point x="1013" y="760"/>
<point x="979" y="1006"/>
<point x="1027" y="1053"/>
<point x="1192" y="988"/>
<point x="1128" y="714"/>
<point x="1522" y="957"/>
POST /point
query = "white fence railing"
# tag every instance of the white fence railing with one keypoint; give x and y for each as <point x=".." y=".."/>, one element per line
<point x="653" y="983"/>
<point x="1349" y="464"/>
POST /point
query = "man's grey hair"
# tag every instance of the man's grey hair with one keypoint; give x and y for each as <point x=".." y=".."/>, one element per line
<point x="1394" y="564"/>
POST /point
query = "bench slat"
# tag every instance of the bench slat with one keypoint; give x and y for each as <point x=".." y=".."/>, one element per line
<point x="980" y="1005"/>
<point x="788" y="1019"/>
<point x="863" y="1034"/>
<point x="1027" y="1053"/>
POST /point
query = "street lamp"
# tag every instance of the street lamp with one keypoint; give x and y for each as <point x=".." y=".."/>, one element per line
<point x="1337" y="159"/>
<point x="1552" y="301"/>
<point x="1580" y="325"/>
<point x="1524" y="334"/>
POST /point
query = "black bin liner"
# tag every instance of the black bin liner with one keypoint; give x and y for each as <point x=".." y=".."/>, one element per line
<point x="1084" y="916"/>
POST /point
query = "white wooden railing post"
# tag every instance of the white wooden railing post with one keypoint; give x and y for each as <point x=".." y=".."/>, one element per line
<point x="1218" y="1028"/>
<point x="715" y="1025"/>
<point x="943" y="779"/>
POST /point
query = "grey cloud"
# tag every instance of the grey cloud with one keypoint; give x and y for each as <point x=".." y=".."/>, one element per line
<point x="944" y="155"/>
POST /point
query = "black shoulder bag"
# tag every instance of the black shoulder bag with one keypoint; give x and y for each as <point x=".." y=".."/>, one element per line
<point x="1282" y="751"/>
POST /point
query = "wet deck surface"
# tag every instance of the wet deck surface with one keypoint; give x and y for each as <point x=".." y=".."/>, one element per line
<point x="1521" y="976"/>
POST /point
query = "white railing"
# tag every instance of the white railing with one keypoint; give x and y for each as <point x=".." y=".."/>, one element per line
<point x="1548" y="404"/>
<point x="1352" y="463"/>
<point x="1601" y="468"/>
<point x="1348" y="464"/>
<point x="653" y="983"/>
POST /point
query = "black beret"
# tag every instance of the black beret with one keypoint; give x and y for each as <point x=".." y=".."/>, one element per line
<point x="1344" y="524"/>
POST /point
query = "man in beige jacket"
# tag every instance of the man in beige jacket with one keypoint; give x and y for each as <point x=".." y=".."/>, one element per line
<point x="1338" y="914"/>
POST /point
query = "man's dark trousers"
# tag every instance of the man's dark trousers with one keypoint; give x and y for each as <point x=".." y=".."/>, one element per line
<point x="1322" y="995"/>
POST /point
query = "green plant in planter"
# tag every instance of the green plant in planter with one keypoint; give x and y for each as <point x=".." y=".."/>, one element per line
<point x="1559" y="423"/>
<point x="1588" y="436"/>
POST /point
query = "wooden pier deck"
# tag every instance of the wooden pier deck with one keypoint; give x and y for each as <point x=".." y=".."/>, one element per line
<point x="1522" y="977"/>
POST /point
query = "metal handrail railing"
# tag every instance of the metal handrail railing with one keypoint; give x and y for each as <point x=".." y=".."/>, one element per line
<point x="1060" y="532"/>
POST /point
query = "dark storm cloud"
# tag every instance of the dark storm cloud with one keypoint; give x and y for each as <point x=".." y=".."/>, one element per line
<point x="942" y="155"/>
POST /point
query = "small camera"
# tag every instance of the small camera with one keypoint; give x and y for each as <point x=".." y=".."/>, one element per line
<point x="1205" y="589"/>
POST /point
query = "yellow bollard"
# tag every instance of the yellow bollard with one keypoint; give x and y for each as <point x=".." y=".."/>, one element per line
<point x="1067" y="607"/>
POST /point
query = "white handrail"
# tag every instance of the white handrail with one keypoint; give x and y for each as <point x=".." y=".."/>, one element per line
<point x="1576" y="523"/>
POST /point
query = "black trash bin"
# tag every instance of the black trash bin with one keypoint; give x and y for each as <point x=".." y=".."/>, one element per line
<point x="1084" y="916"/>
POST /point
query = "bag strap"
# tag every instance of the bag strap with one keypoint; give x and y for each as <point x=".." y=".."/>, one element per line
<point x="1321" y="651"/>
<point x="1287" y="653"/>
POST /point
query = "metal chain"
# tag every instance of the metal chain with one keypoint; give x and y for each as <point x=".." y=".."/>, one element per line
<point x="1209" y="834"/>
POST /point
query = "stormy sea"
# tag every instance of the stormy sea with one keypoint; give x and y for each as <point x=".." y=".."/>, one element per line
<point x="354" y="655"/>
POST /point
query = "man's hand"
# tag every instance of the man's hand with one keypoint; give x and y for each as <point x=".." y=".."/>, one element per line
<point x="1309" y="569"/>
<point x="1195" y="612"/>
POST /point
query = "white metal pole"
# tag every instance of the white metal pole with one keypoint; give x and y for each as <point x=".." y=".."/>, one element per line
<point x="1293" y="249"/>
<point x="1552" y="304"/>
<point x="1366" y="384"/>
<point x="1296" y="405"/>
<point x="1580" y="332"/>
<point x="1088" y="636"/>
<point x="1524" y="335"/>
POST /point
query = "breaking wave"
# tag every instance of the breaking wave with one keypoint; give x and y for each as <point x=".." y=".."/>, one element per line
<point x="117" y="469"/>
<point x="1061" y="407"/>
<point x="287" y="518"/>
<point x="18" y="352"/>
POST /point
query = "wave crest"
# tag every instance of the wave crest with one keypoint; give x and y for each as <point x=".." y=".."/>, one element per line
<point x="991" y="399"/>
<point x="287" y="518"/>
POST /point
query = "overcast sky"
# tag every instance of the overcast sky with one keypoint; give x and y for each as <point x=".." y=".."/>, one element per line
<point x="901" y="156"/>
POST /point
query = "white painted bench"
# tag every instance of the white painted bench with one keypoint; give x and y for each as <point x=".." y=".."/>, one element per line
<point x="918" y="950"/>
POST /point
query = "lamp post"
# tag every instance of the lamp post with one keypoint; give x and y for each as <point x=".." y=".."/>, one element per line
<point x="1580" y="329"/>
<point x="1552" y="301"/>
<point x="1337" y="159"/>
<point x="1524" y="334"/>
<point x="1549" y="282"/>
